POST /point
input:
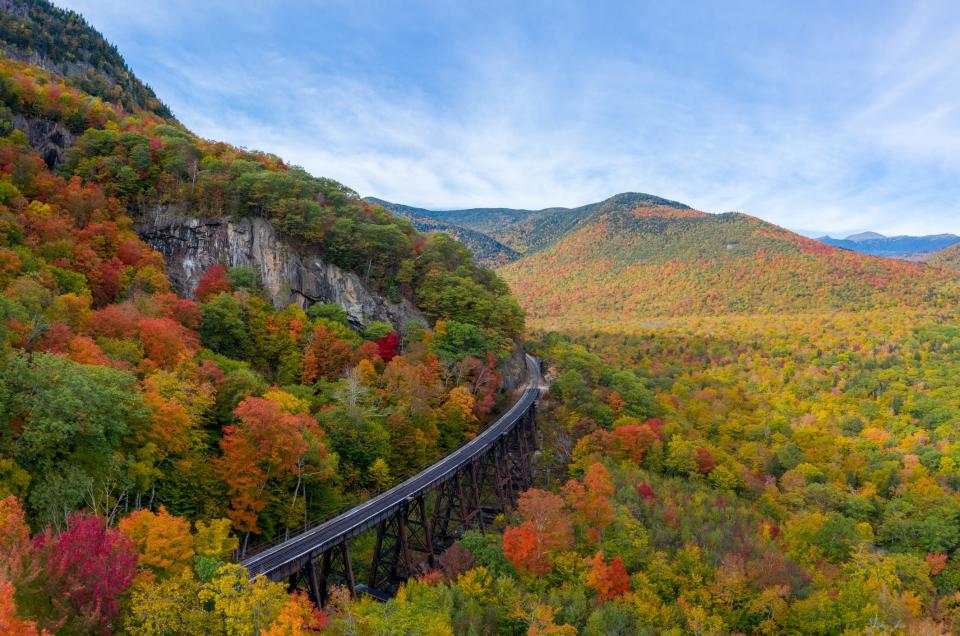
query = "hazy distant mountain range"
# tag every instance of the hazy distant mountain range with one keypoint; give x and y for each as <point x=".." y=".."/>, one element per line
<point x="893" y="246"/>
<point x="498" y="236"/>
<point x="488" y="251"/>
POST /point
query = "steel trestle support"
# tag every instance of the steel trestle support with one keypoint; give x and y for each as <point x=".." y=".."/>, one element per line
<point x="415" y="530"/>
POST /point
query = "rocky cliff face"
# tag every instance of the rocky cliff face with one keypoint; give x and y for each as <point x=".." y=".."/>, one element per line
<point x="289" y="273"/>
<point x="48" y="138"/>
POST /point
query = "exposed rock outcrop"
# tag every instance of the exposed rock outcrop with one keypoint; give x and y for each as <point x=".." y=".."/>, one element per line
<point x="514" y="368"/>
<point x="48" y="138"/>
<point x="290" y="273"/>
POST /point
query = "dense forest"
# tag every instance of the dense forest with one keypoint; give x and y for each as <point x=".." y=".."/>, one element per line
<point x="57" y="39"/>
<point x="744" y="474"/>
<point x="745" y="432"/>
<point x="530" y="231"/>
<point x="637" y="266"/>
<point x="147" y="439"/>
<point x="948" y="258"/>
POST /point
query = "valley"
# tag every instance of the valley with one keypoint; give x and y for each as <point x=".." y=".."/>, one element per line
<point x="239" y="398"/>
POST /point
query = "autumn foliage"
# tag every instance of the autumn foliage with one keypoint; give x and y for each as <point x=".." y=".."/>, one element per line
<point x="618" y="268"/>
<point x="608" y="580"/>
<point x="265" y="445"/>
<point x="591" y="499"/>
<point x="545" y="529"/>
<point x="141" y="432"/>
<point x="164" y="541"/>
<point x="10" y="623"/>
<point x="86" y="569"/>
<point x="14" y="538"/>
<point x="387" y="346"/>
<point x="213" y="281"/>
<point x="298" y="617"/>
<point x="326" y="357"/>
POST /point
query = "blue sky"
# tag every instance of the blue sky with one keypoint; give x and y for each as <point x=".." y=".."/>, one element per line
<point x="819" y="116"/>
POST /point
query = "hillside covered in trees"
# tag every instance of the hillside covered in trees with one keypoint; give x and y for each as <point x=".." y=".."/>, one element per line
<point x="61" y="41"/>
<point x="746" y="431"/>
<point x="948" y="258"/>
<point x="529" y="231"/>
<point x="638" y="263"/>
<point x="488" y="251"/>
<point x="706" y="471"/>
<point x="145" y="438"/>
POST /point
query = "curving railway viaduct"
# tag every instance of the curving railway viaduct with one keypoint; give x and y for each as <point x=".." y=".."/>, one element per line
<point x="418" y="519"/>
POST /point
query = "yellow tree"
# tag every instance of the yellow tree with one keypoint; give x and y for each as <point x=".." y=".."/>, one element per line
<point x="457" y="422"/>
<point x="163" y="540"/>
<point x="542" y="624"/>
<point x="214" y="539"/>
<point x="169" y="606"/>
<point x="243" y="607"/>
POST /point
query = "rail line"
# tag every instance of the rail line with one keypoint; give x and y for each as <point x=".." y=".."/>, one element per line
<point x="479" y="478"/>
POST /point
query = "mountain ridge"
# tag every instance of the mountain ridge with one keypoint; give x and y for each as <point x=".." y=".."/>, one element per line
<point x="901" y="246"/>
<point x="528" y="231"/>
<point x="864" y="236"/>
<point x="948" y="258"/>
<point x="628" y="264"/>
<point x="63" y="43"/>
<point x="488" y="251"/>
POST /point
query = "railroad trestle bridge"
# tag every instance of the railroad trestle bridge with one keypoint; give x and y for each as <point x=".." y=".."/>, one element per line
<point x="418" y="519"/>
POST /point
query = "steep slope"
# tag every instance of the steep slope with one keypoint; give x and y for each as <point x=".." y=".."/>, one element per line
<point x="948" y="258"/>
<point x="893" y="246"/>
<point x="488" y="251"/>
<point x="624" y="265"/>
<point x="113" y="386"/>
<point x="528" y="231"/>
<point x="151" y="167"/>
<point x="289" y="272"/>
<point x="62" y="42"/>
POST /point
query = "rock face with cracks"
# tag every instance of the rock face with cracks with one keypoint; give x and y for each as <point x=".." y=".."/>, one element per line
<point x="48" y="138"/>
<point x="289" y="272"/>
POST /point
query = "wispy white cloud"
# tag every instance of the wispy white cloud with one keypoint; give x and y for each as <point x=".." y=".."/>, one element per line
<point x="823" y="121"/>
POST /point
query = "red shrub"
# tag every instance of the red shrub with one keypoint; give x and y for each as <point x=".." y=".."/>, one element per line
<point x="116" y="321"/>
<point x="87" y="568"/>
<point x="705" y="461"/>
<point x="164" y="340"/>
<point x="187" y="313"/>
<point x="387" y="346"/>
<point x="212" y="282"/>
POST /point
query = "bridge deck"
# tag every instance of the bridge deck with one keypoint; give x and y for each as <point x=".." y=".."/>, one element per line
<point x="280" y="560"/>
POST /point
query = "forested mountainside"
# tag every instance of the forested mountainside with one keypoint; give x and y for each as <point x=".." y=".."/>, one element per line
<point x="645" y="262"/>
<point x="529" y="231"/>
<point x="61" y="41"/>
<point x="502" y="224"/>
<point x="893" y="246"/>
<point x="948" y="258"/>
<point x="144" y="435"/>
<point x="745" y="432"/>
<point x="488" y="251"/>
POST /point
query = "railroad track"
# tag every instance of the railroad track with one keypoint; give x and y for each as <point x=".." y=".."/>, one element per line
<point x="484" y="474"/>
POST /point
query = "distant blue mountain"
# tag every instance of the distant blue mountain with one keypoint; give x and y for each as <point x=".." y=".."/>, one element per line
<point x="893" y="246"/>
